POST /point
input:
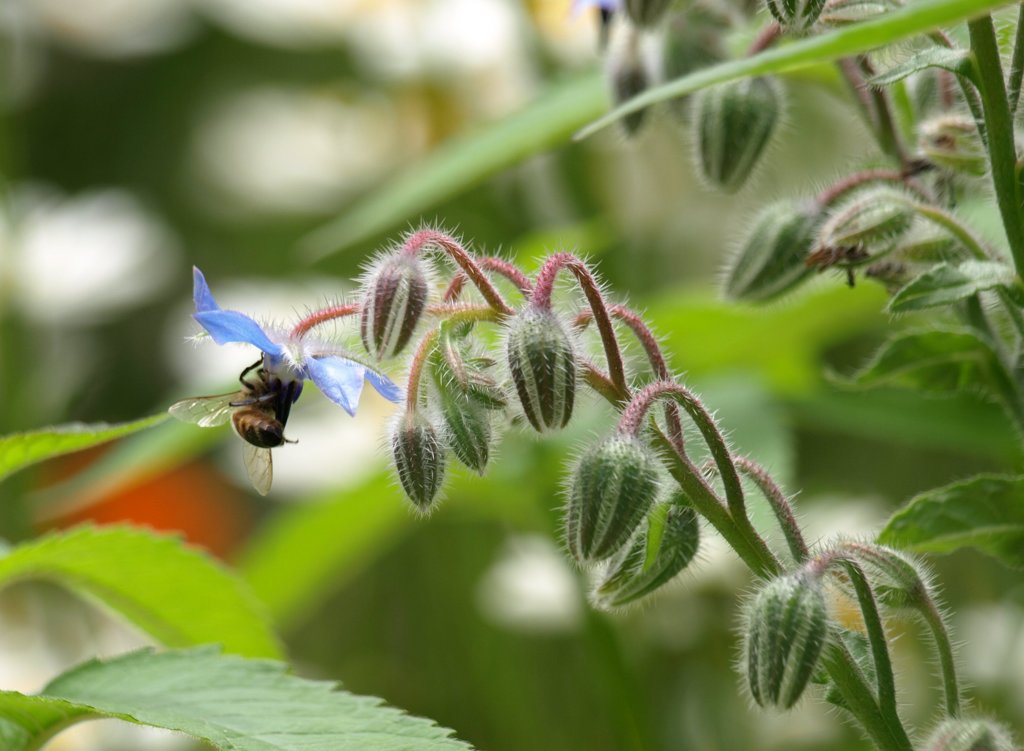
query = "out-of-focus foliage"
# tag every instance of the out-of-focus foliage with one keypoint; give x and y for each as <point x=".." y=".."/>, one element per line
<point x="138" y="139"/>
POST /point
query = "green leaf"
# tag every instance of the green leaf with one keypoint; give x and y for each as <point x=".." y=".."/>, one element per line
<point x="232" y="703"/>
<point x="462" y="163"/>
<point x="937" y="361"/>
<point x="984" y="512"/>
<point x="954" y="60"/>
<point x="914" y="18"/>
<point x="945" y="284"/>
<point x="19" y="450"/>
<point x="175" y="593"/>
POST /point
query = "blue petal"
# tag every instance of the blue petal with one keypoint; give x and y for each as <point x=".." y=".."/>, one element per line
<point x="201" y="294"/>
<point x="339" y="379"/>
<point x="226" y="326"/>
<point x="385" y="386"/>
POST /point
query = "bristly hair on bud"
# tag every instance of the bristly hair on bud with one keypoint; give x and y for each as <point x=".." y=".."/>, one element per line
<point x="969" y="734"/>
<point x="542" y="362"/>
<point x="395" y="293"/>
<point x="734" y="122"/>
<point x="611" y="490"/>
<point x="869" y="218"/>
<point x="773" y="258"/>
<point x="786" y="629"/>
<point x="796" y="15"/>
<point x="419" y="455"/>
<point x="663" y="547"/>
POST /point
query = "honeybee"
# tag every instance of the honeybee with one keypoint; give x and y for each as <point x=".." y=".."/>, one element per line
<point x="258" y="414"/>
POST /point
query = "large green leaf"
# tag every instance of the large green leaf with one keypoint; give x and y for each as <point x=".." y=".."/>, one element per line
<point x="175" y="593"/>
<point x="938" y="361"/>
<point x="948" y="283"/>
<point x="985" y="512"/>
<point x="462" y="162"/>
<point x="232" y="703"/>
<point x="914" y="18"/>
<point x="19" y="450"/>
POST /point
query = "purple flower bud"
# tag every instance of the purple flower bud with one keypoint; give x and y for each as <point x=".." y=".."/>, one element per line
<point x="543" y="367"/>
<point x="394" y="298"/>
<point x="787" y="627"/>
<point x="613" y="487"/>
<point x="419" y="455"/>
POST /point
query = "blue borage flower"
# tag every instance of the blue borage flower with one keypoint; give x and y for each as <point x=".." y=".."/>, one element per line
<point x="608" y="5"/>
<point x="291" y="358"/>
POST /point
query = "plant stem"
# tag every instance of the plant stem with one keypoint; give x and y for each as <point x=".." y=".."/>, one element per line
<point x="944" y="647"/>
<point x="780" y="506"/>
<point x="1017" y="64"/>
<point x="1002" y="151"/>
<point x="949" y="223"/>
<point x="417" y="241"/>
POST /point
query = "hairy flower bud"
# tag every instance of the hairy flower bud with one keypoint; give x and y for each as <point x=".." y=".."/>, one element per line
<point x="846" y="12"/>
<point x="796" y="15"/>
<point x="663" y="548"/>
<point x="543" y="367"/>
<point x="613" y="486"/>
<point x="773" y="260"/>
<point x="871" y="217"/>
<point x="467" y="423"/>
<point x="786" y="629"/>
<point x="952" y="142"/>
<point x="962" y="734"/>
<point x="734" y="122"/>
<point x="646" y="13"/>
<point x="628" y="72"/>
<point x="395" y="297"/>
<point x="419" y="458"/>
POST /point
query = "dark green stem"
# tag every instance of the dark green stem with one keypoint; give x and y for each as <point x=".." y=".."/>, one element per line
<point x="1017" y="64"/>
<point x="944" y="647"/>
<point x="988" y="72"/>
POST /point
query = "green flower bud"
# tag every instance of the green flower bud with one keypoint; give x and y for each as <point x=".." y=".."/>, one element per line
<point x="543" y="367"/>
<point x="613" y="486"/>
<point x="467" y="423"/>
<point x="871" y="217"/>
<point x="662" y="548"/>
<point x="846" y="12"/>
<point x="734" y="122"/>
<point x="787" y="627"/>
<point x="628" y="73"/>
<point x="796" y="15"/>
<point x="773" y="260"/>
<point x="970" y="735"/>
<point x="419" y="456"/>
<point x="646" y="13"/>
<point x="952" y="142"/>
<point x="395" y="297"/>
<point x="468" y="374"/>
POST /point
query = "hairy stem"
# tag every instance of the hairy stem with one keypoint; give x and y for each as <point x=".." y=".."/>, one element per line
<point x="544" y="288"/>
<point x="318" y="317"/>
<point x="1017" y="64"/>
<point x="781" y="507"/>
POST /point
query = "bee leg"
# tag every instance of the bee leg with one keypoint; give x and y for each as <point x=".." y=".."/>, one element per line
<point x="248" y="370"/>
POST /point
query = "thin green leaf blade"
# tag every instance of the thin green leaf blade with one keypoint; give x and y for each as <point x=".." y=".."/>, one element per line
<point x="946" y="283"/>
<point x="461" y="163"/>
<point x="939" y="361"/>
<point x="914" y="18"/>
<point x="984" y="512"/>
<point x="175" y="593"/>
<point x="19" y="450"/>
<point x="230" y="702"/>
<point x="954" y="60"/>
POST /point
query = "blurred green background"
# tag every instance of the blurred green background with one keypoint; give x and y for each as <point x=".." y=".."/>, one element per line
<point x="140" y="137"/>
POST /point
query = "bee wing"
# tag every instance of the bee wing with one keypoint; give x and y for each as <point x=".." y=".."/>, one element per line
<point x="204" y="411"/>
<point x="259" y="463"/>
